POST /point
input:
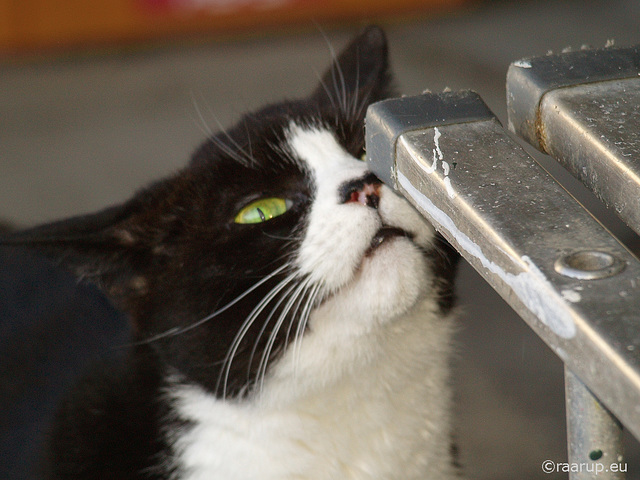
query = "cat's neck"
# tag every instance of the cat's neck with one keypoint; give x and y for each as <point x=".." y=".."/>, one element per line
<point x="385" y="415"/>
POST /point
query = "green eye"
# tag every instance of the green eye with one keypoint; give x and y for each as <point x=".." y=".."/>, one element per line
<point x="263" y="210"/>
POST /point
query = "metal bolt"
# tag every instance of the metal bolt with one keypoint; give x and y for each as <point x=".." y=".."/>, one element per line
<point x="589" y="265"/>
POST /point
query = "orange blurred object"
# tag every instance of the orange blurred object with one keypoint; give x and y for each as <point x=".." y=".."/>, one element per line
<point x="32" y="25"/>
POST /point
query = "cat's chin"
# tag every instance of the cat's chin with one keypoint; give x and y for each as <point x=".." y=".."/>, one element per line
<point x="392" y="278"/>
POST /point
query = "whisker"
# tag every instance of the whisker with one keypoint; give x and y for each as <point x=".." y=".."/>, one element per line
<point x="302" y="325"/>
<point x="262" y="368"/>
<point x="337" y="75"/>
<point x="342" y="88"/>
<point x="327" y="90"/>
<point x="239" y="157"/>
<point x="266" y="323"/>
<point x="299" y="301"/>
<point x="179" y="330"/>
<point x="251" y="318"/>
<point x="246" y="128"/>
<point x="244" y="328"/>
<point x="240" y="152"/>
<point x="336" y="68"/>
<point x="354" y="100"/>
<point x="204" y="126"/>
<point x="289" y="238"/>
<point x="364" y="101"/>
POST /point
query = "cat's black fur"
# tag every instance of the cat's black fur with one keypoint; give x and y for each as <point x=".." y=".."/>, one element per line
<point x="172" y="256"/>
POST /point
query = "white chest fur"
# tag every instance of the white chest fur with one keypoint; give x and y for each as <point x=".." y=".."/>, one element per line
<point x="385" y="416"/>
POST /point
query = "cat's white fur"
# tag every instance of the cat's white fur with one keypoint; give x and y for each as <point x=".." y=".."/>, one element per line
<point x="366" y="395"/>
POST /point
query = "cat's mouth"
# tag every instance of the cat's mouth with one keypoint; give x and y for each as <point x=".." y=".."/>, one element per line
<point x="383" y="235"/>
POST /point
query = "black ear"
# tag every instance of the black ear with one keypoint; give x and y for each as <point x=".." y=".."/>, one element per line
<point x="359" y="75"/>
<point x="100" y="247"/>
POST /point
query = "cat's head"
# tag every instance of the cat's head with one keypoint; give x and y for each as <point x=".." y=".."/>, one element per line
<point x="275" y="228"/>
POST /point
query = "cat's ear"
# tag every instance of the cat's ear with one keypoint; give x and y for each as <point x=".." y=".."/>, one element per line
<point x="359" y="75"/>
<point x="102" y="247"/>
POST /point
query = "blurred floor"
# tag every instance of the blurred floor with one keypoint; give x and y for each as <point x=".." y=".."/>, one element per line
<point x="83" y="132"/>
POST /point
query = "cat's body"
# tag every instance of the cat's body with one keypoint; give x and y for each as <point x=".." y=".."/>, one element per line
<point x="290" y="313"/>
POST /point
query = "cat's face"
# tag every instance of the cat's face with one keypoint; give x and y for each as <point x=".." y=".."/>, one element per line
<point x="276" y="228"/>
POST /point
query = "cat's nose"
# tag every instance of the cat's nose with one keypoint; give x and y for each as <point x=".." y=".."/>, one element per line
<point x="365" y="191"/>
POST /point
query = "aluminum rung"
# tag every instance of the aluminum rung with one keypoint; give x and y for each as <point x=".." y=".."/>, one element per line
<point x="583" y="108"/>
<point x="569" y="279"/>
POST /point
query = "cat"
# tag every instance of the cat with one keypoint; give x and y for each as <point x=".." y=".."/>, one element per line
<point x="292" y="317"/>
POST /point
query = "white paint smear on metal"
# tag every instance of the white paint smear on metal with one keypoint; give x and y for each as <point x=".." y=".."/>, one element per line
<point x="447" y="181"/>
<point x="438" y="155"/>
<point x="522" y="63"/>
<point x="531" y="286"/>
<point x="436" y="141"/>
<point x="571" y="296"/>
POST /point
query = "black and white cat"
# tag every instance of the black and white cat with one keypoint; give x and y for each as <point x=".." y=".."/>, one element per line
<point x="291" y="314"/>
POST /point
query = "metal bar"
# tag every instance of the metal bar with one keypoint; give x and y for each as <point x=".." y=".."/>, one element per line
<point x="569" y="279"/>
<point x="583" y="108"/>
<point x="594" y="435"/>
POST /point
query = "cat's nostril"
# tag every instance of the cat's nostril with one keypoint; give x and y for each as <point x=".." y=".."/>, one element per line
<point x="368" y="195"/>
<point x="365" y="191"/>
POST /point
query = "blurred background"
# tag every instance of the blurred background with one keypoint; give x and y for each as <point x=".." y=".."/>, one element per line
<point x="99" y="98"/>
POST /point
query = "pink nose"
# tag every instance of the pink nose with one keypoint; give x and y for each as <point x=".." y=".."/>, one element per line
<point x="369" y="195"/>
<point x="365" y="191"/>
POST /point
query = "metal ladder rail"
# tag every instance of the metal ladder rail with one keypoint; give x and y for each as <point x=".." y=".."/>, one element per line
<point x="566" y="276"/>
<point x="583" y="109"/>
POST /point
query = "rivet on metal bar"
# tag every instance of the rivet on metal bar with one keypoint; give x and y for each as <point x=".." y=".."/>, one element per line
<point x="567" y="277"/>
<point x="583" y="108"/>
<point x="589" y="265"/>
